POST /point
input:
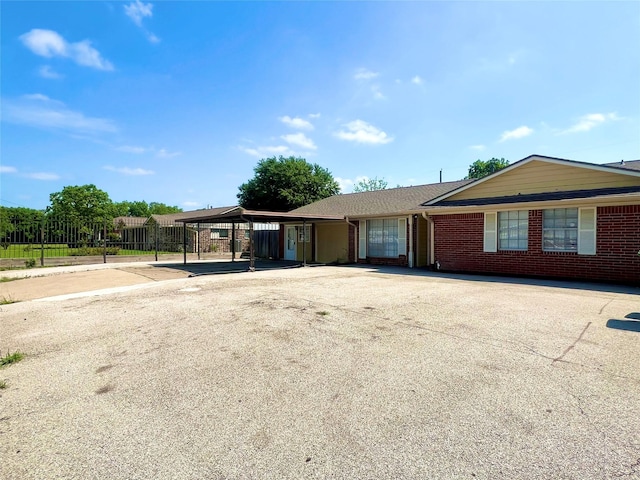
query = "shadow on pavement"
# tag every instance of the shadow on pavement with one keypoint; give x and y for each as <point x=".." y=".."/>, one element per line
<point x="472" y="277"/>
<point x="237" y="266"/>
<point x="632" y="324"/>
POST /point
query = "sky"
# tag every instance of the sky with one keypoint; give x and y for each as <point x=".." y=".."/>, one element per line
<point x="176" y="102"/>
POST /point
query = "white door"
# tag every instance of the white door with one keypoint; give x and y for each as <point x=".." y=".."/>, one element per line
<point x="290" y="245"/>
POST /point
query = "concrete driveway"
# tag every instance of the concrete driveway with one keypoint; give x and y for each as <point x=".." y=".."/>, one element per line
<point x="330" y="372"/>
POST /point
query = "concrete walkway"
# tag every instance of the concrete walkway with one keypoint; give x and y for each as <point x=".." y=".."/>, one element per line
<point x="23" y="285"/>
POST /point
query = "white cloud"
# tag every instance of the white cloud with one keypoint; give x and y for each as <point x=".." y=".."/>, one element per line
<point x="300" y="140"/>
<point x="416" y="80"/>
<point x="591" y="120"/>
<point x="190" y="204"/>
<point x="314" y="115"/>
<point x="346" y="185"/>
<point x="519" y="132"/>
<point x="129" y="171"/>
<point x="268" y="151"/>
<point x="360" y="131"/>
<point x="162" y="153"/>
<point x="38" y="110"/>
<point x="296" y="122"/>
<point x="364" y="74"/>
<point x="132" y="149"/>
<point x="48" y="43"/>
<point x="46" y="71"/>
<point x="42" y="176"/>
<point x="479" y="148"/>
<point x="137" y="10"/>
<point x="7" y="169"/>
<point x="377" y="94"/>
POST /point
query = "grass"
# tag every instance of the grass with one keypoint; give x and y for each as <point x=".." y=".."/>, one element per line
<point x="10" y="358"/>
<point x="3" y="384"/>
<point x="323" y="313"/>
<point x="7" y="300"/>
<point x="9" y="279"/>
<point x="53" y="250"/>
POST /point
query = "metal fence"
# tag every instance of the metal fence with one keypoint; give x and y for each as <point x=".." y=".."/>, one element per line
<point x="58" y="241"/>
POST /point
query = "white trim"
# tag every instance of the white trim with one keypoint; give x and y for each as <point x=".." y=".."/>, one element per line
<point x="411" y="246"/>
<point x="402" y="236"/>
<point x="490" y="240"/>
<point x="362" y="239"/>
<point x="587" y="236"/>
<point x="539" y="158"/>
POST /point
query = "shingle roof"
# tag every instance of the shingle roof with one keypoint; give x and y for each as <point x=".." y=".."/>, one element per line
<point x="129" y="221"/>
<point x="379" y="202"/>
<point x="194" y="214"/>
<point x="626" y="164"/>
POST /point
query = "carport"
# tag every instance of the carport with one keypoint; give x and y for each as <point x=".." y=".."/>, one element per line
<point x="237" y="215"/>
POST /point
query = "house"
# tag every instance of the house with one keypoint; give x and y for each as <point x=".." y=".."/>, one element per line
<point x="543" y="216"/>
<point x="381" y="227"/>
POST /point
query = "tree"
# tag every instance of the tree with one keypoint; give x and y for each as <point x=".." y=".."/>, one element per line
<point x="86" y="203"/>
<point x="157" y="208"/>
<point x="282" y="184"/>
<point x="370" y="185"/>
<point x="480" y="168"/>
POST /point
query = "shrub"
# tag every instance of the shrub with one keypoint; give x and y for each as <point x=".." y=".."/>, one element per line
<point x="30" y="263"/>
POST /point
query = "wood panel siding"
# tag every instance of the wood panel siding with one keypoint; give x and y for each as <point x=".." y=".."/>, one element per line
<point x="542" y="177"/>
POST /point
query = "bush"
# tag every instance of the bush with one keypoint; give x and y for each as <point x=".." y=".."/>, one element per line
<point x="85" y="251"/>
<point x="30" y="263"/>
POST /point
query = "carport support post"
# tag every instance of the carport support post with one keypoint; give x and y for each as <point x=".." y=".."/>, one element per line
<point x="252" y="258"/>
<point x="304" y="243"/>
<point x="42" y="243"/>
<point x="233" y="241"/>
<point x="184" y="243"/>
<point x="157" y="238"/>
<point x="198" y="238"/>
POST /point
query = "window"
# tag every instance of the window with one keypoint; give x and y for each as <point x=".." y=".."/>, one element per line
<point x="382" y="237"/>
<point x="560" y="230"/>
<point x="513" y="230"/>
<point x="219" y="233"/>
<point x="307" y="234"/>
<point x="246" y="234"/>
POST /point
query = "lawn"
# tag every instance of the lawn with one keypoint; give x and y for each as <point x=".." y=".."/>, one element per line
<point x="63" y="250"/>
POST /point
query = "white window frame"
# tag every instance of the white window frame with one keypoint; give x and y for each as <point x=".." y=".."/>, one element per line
<point x="502" y="248"/>
<point x="490" y="243"/>
<point x="587" y="230"/>
<point x="307" y="234"/>
<point x="399" y="243"/>
<point x="566" y="229"/>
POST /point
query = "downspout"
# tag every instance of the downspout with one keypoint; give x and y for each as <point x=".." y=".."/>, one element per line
<point x="430" y="234"/>
<point x="356" y="245"/>
<point x="411" y="246"/>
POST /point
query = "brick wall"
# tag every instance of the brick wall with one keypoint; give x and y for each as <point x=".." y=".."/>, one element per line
<point x="459" y="247"/>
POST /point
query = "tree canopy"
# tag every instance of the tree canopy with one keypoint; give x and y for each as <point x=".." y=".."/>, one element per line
<point x="141" y="208"/>
<point x="481" y="168"/>
<point x="85" y="203"/>
<point x="370" y="185"/>
<point x="282" y="184"/>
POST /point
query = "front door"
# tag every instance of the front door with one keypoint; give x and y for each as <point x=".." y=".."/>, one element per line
<point x="290" y="245"/>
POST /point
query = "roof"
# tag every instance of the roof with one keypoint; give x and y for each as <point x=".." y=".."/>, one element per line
<point x="379" y="202"/>
<point x="619" y="168"/>
<point x="626" y="164"/>
<point x="129" y="221"/>
<point x="239" y="214"/>
<point x="193" y="215"/>
<point x="540" y="197"/>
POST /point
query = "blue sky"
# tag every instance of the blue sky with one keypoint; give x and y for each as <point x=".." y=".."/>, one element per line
<point x="176" y="102"/>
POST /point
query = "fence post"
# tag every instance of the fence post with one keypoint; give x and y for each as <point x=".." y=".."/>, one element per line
<point x="184" y="241"/>
<point x="157" y="240"/>
<point x="42" y="243"/>
<point x="104" y="242"/>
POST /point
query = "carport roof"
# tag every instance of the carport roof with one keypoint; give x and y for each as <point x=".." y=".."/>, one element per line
<point x="239" y="214"/>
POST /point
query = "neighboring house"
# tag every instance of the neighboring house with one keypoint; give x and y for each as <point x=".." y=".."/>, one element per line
<point x="545" y="217"/>
<point x="379" y="227"/>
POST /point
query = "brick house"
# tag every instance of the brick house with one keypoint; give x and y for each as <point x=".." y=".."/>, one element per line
<point x="545" y="217"/>
<point x="541" y="216"/>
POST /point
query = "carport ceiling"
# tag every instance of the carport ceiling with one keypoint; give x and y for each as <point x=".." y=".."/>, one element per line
<point x="242" y="215"/>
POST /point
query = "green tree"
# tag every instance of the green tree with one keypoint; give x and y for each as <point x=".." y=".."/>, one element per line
<point x="282" y="184"/>
<point x="370" y="185"/>
<point x="86" y="204"/>
<point x="481" y="168"/>
<point x="157" y="208"/>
